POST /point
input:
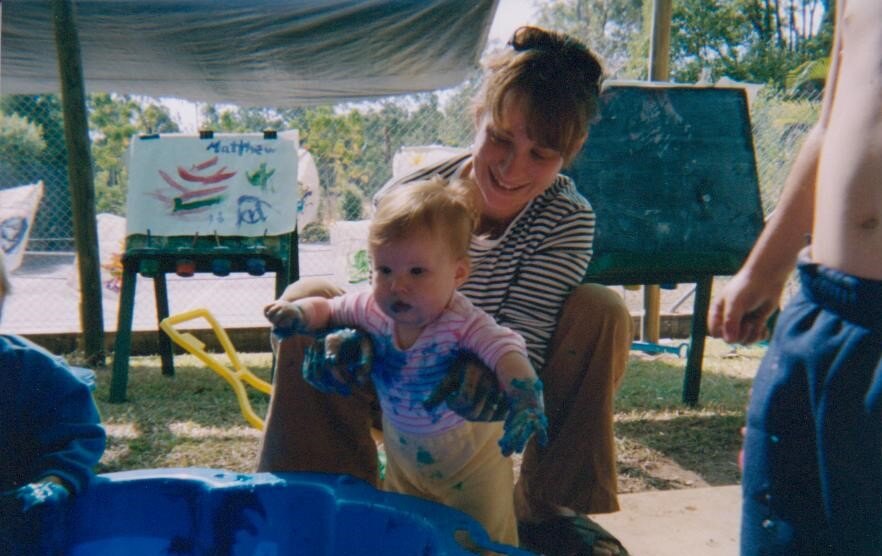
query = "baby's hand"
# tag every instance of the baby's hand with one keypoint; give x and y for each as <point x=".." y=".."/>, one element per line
<point x="287" y="318"/>
<point x="525" y="418"/>
<point x="338" y="361"/>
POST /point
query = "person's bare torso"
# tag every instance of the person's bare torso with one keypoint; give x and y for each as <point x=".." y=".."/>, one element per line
<point x="847" y="232"/>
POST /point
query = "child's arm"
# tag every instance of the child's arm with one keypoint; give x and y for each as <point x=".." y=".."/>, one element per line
<point x="302" y="316"/>
<point x="526" y="414"/>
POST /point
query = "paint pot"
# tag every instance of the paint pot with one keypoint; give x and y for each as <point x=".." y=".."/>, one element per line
<point x="148" y="267"/>
<point x="255" y="266"/>
<point x="185" y="267"/>
<point x="221" y="267"/>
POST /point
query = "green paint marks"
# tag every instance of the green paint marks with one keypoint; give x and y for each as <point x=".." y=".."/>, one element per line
<point x="180" y="204"/>
<point x="402" y="441"/>
<point x="261" y="176"/>
<point x="459" y="486"/>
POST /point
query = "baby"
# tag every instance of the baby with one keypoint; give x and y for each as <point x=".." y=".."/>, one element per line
<point x="420" y="325"/>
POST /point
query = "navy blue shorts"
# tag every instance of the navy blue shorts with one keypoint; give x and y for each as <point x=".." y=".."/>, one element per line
<point x="812" y="481"/>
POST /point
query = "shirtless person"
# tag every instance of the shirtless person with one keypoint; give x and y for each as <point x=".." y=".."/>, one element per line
<point x="812" y="480"/>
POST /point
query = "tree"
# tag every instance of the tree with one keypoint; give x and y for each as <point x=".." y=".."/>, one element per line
<point x="114" y="119"/>
<point x="53" y="226"/>
<point x="20" y="141"/>
<point x="760" y="41"/>
<point x="606" y="26"/>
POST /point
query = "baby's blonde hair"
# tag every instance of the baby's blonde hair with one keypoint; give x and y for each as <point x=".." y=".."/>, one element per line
<point x="450" y="210"/>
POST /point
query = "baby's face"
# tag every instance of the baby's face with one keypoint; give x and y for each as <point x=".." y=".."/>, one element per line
<point x="415" y="277"/>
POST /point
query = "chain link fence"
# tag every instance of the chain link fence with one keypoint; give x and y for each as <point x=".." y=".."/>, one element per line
<point x="348" y="152"/>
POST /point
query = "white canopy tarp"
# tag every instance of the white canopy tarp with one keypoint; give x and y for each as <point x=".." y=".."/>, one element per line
<point x="261" y="53"/>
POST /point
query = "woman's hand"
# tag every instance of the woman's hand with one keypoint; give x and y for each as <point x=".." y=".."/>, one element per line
<point x="471" y="390"/>
<point x="526" y="417"/>
<point x="339" y="359"/>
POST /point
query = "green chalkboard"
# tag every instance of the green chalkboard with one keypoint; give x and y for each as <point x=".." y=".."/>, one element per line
<point x="671" y="173"/>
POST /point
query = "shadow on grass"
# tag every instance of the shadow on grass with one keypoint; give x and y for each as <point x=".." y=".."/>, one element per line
<point x="664" y="443"/>
<point x="191" y="419"/>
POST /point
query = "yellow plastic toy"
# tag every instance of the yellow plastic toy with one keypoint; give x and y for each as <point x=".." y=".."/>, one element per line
<point x="236" y="376"/>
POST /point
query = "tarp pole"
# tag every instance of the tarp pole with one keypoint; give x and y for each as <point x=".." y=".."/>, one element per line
<point x="80" y="179"/>
<point x="659" y="62"/>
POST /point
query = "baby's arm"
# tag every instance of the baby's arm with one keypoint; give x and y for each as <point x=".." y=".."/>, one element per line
<point x="526" y="414"/>
<point x="298" y="317"/>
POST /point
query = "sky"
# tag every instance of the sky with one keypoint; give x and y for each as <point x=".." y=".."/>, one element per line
<point x="510" y="14"/>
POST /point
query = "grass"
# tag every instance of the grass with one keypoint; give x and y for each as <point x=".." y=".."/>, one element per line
<point x="193" y="420"/>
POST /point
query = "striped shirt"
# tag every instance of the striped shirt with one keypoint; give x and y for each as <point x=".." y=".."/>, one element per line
<point x="523" y="277"/>
<point x="405" y="378"/>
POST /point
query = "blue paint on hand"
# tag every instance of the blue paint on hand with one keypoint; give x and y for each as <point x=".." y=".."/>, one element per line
<point x="525" y="418"/>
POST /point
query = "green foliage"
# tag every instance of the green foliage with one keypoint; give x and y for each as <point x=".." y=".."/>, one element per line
<point x="606" y="26"/>
<point x="315" y="232"/>
<point x="351" y="204"/>
<point x="20" y="140"/>
<point x="114" y="119"/>
<point x="44" y="112"/>
<point x="780" y="124"/>
<point x="809" y="77"/>
<point x="744" y="40"/>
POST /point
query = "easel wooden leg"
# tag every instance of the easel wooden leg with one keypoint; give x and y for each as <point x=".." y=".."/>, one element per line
<point x="123" y="344"/>
<point x="160" y="290"/>
<point x="692" y="377"/>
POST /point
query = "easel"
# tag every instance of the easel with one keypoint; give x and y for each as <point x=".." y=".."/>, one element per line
<point x="671" y="173"/>
<point x="154" y="256"/>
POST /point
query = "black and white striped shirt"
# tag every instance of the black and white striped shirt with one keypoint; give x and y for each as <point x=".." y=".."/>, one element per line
<point x="523" y="277"/>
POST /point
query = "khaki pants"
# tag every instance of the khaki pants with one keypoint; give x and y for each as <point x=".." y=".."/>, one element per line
<point x="463" y="468"/>
<point x="307" y="430"/>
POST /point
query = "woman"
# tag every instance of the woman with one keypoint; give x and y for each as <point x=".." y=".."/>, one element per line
<point x="532" y="249"/>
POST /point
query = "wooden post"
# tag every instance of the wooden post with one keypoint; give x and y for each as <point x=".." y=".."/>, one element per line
<point x="659" y="62"/>
<point x="80" y="179"/>
<point x="660" y="44"/>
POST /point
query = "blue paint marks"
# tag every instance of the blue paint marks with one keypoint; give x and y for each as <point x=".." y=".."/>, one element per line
<point x="424" y="457"/>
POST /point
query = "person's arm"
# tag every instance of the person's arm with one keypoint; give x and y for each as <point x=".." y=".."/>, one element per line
<point x="526" y="415"/>
<point x="739" y="314"/>
<point x="57" y="437"/>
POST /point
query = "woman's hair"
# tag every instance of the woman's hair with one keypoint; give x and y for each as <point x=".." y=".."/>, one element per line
<point x="557" y="77"/>
<point x="449" y="210"/>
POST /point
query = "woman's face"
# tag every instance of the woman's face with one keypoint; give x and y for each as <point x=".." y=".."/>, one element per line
<point x="510" y="168"/>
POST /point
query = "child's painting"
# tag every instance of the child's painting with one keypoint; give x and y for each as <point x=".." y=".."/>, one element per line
<point x="225" y="185"/>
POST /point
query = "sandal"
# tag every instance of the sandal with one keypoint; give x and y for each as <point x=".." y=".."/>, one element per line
<point x="566" y="536"/>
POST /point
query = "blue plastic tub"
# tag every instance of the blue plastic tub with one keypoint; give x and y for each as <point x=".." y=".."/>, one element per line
<point x="213" y="512"/>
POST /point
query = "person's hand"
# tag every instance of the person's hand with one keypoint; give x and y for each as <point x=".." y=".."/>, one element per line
<point x="338" y="360"/>
<point x="27" y="498"/>
<point x="31" y="518"/>
<point x="287" y="318"/>
<point x="741" y="312"/>
<point x="526" y="417"/>
<point x="471" y="390"/>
